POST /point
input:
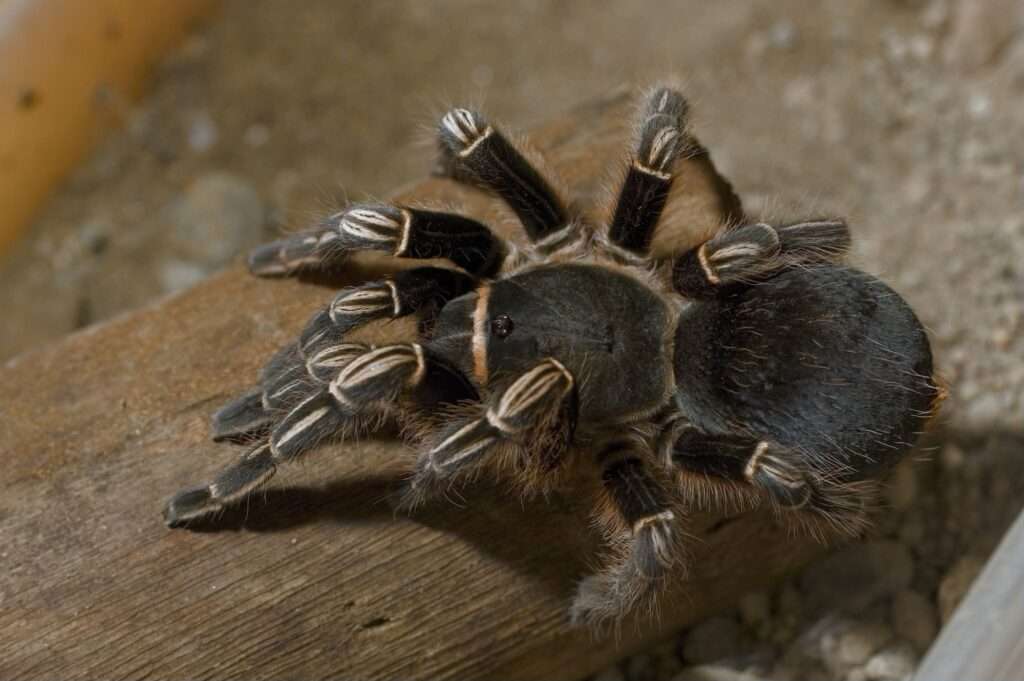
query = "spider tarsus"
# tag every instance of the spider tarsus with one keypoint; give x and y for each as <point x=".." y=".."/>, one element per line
<point x="243" y="417"/>
<point x="285" y="256"/>
<point x="188" y="505"/>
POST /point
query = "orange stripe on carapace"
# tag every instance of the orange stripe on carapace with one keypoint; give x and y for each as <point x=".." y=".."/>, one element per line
<point x="481" y="332"/>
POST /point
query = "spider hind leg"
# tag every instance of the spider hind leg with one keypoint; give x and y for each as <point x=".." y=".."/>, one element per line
<point x="641" y="520"/>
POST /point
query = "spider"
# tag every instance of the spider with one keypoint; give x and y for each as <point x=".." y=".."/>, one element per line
<point x="756" y="366"/>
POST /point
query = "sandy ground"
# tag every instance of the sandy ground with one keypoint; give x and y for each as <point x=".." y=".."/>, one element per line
<point x="903" y="116"/>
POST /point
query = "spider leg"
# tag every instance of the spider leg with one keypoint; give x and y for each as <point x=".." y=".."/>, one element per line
<point x="401" y="231"/>
<point x="751" y="252"/>
<point x="739" y="470"/>
<point x="638" y="514"/>
<point x="371" y="385"/>
<point x="321" y="348"/>
<point x="661" y="142"/>
<point x="473" y="150"/>
<point x="533" y="418"/>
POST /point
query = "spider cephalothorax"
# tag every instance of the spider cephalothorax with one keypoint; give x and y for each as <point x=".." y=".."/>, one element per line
<point x="755" y="363"/>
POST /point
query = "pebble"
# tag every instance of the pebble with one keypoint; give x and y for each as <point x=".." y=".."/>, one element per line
<point x="858" y="643"/>
<point x="219" y="217"/>
<point x="952" y="458"/>
<point x="714" y="639"/>
<point x="612" y="673"/>
<point x="894" y="663"/>
<point x="956" y="583"/>
<point x="901" y="490"/>
<point x="914" y="618"/>
<point x="709" y="672"/>
<point x="177" y="275"/>
<point x="855" y="577"/>
<point x="202" y="132"/>
<point x="755" y="608"/>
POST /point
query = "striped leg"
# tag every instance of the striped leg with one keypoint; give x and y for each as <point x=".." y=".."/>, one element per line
<point x="401" y="231"/>
<point x="370" y="385"/>
<point x="758" y="463"/>
<point x="475" y="151"/>
<point x="534" y="419"/>
<point x="752" y="252"/>
<point x="739" y="470"/>
<point x="636" y="510"/>
<point x="644" y="191"/>
<point x="322" y="350"/>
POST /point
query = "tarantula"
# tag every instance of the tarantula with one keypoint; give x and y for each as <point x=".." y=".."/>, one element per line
<point x="755" y="364"/>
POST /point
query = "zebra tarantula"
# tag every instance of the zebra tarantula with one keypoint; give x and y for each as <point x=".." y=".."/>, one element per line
<point x="756" y="363"/>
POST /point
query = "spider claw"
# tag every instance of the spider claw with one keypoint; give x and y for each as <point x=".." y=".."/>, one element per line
<point x="284" y="256"/>
<point x="188" y="505"/>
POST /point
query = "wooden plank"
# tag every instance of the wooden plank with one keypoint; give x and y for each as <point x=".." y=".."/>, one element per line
<point x="316" y="578"/>
<point x="68" y="70"/>
<point x="985" y="637"/>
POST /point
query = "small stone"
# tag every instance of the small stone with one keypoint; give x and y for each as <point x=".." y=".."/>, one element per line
<point x="202" y="132"/>
<point x="256" y="135"/>
<point x="901" y="489"/>
<point x="956" y="583"/>
<point x="914" y="618"/>
<point x="790" y="601"/>
<point x="858" y="643"/>
<point x="1002" y="338"/>
<point x="612" y="673"/>
<point x="755" y="609"/>
<point x="640" y="668"/>
<point x="714" y="639"/>
<point x="952" y="458"/>
<point x="219" y="217"/>
<point x="177" y="275"/>
<point x="894" y="663"/>
<point x="857" y="576"/>
<point x="711" y="672"/>
<point x="783" y="34"/>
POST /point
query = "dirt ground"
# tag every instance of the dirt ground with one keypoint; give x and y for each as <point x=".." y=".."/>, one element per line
<point x="903" y="116"/>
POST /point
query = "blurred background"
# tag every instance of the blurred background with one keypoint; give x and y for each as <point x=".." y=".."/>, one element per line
<point x="904" y="116"/>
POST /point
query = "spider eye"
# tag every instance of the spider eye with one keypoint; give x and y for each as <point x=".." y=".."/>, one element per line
<point x="502" y="325"/>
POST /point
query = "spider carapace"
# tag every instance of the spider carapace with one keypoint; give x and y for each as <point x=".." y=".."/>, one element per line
<point x="753" y="368"/>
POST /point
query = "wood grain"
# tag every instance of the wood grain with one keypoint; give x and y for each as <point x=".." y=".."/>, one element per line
<point x="985" y="637"/>
<point x="68" y="70"/>
<point x="316" y="578"/>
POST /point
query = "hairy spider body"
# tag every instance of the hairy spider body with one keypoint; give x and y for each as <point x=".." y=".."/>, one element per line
<point x="754" y="367"/>
<point x="606" y="327"/>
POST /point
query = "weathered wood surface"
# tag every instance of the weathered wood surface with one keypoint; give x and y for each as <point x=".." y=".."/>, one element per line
<point x="316" y="578"/>
<point x="985" y="637"/>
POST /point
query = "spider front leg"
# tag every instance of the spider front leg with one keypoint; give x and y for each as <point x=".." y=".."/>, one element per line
<point x="473" y="150"/>
<point x="662" y="141"/>
<point x="372" y="384"/>
<point x="533" y="420"/>
<point x="637" y="513"/>
<point x="399" y="230"/>
<point x="322" y="349"/>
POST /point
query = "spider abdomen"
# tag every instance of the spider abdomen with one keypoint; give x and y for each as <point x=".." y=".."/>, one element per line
<point x="827" y="360"/>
